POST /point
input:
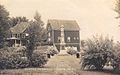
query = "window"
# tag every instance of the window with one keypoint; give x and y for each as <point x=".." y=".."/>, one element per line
<point x="68" y="39"/>
<point x="18" y="41"/>
<point x="16" y="35"/>
<point x="74" y="38"/>
<point x="77" y="38"/>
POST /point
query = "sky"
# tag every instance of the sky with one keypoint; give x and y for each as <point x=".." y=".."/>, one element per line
<point x="95" y="17"/>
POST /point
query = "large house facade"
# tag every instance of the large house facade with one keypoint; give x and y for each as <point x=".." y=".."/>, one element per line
<point x="63" y="33"/>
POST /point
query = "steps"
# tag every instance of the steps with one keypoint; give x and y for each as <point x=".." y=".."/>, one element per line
<point x="63" y="52"/>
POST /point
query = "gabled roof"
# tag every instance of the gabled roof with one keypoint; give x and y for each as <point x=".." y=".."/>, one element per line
<point x="19" y="28"/>
<point x="68" y="24"/>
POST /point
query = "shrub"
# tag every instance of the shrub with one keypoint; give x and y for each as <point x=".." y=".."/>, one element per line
<point x="16" y="58"/>
<point x="39" y="59"/>
<point x="116" y="57"/>
<point x="71" y="51"/>
<point x="96" y="52"/>
<point x="16" y="61"/>
<point x="12" y="58"/>
<point x="52" y="50"/>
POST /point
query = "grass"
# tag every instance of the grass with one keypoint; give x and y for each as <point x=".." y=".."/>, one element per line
<point x="57" y="65"/>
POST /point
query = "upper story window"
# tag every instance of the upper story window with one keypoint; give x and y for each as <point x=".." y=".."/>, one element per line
<point x="74" y="38"/>
<point x="68" y="39"/>
<point x="77" y="38"/>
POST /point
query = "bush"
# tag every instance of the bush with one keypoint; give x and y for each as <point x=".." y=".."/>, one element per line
<point x="16" y="61"/>
<point x="12" y="58"/>
<point x="16" y="58"/>
<point x="39" y="59"/>
<point x="52" y="50"/>
<point x="96" y="52"/>
<point x="71" y="51"/>
<point x="116" y="57"/>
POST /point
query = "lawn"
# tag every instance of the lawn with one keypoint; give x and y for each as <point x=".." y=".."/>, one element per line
<point x="57" y="65"/>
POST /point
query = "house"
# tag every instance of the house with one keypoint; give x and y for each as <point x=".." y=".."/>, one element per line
<point x="63" y="33"/>
<point x="17" y="34"/>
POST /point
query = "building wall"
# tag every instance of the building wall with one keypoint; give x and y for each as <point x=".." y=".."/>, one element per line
<point x="50" y="37"/>
<point x="56" y="36"/>
<point x="71" y="38"/>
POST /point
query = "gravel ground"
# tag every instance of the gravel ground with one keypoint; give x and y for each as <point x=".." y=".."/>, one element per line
<point x="58" y="65"/>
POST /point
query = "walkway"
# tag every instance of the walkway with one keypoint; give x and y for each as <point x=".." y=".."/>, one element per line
<point x="63" y="65"/>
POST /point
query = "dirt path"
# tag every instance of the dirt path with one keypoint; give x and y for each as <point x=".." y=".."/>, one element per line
<point x="64" y="65"/>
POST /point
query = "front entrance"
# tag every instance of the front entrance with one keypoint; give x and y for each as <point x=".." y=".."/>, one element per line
<point x="62" y="47"/>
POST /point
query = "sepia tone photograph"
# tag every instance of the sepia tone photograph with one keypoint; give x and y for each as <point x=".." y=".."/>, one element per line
<point x="59" y="37"/>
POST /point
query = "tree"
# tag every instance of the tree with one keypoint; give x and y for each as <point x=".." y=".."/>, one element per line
<point x="38" y="20"/>
<point x="39" y="24"/>
<point x="15" y="20"/>
<point x="4" y="16"/>
<point x="35" y="33"/>
<point x="116" y="58"/>
<point x="117" y="8"/>
<point x="97" y="52"/>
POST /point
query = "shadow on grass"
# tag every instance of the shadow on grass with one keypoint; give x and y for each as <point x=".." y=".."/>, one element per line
<point x="109" y="71"/>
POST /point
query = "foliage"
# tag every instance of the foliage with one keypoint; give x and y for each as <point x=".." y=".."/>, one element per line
<point x="38" y="59"/>
<point x="35" y="33"/>
<point x="97" y="51"/>
<point x="13" y="58"/>
<point x="16" y="58"/>
<point x="116" y="57"/>
<point x="82" y="43"/>
<point x="38" y="20"/>
<point x="52" y="50"/>
<point x="4" y="16"/>
<point x="15" y="20"/>
<point x="117" y="8"/>
<point x="71" y="51"/>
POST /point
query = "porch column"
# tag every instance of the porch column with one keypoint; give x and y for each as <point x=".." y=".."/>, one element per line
<point x="20" y="43"/>
<point x="15" y="43"/>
